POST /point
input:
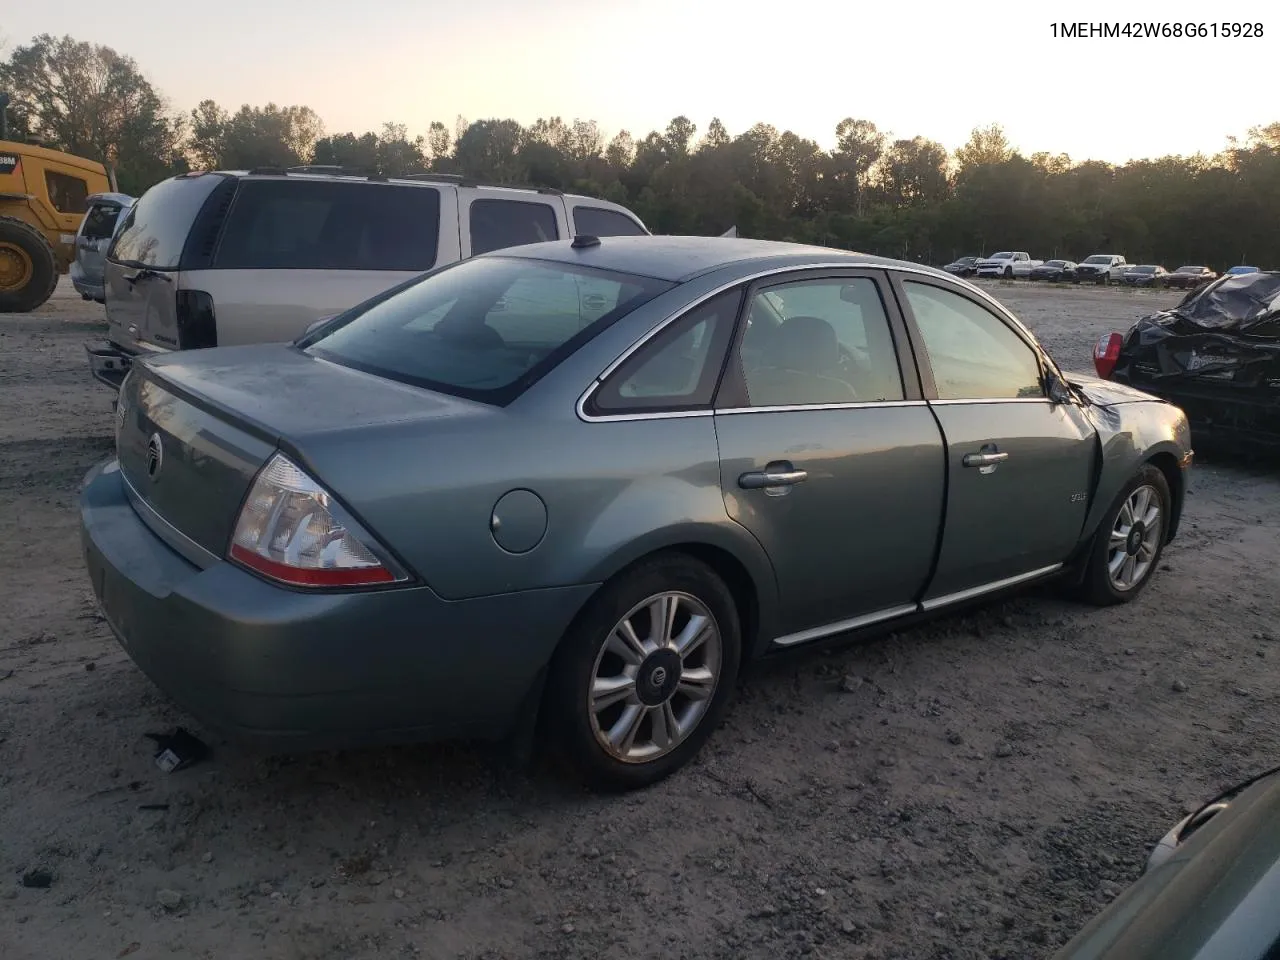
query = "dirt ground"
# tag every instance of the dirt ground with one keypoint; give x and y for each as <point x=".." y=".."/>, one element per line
<point x="976" y="788"/>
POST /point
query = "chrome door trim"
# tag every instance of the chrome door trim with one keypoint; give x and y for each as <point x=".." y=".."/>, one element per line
<point x="840" y="626"/>
<point x="657" y="328"/>
<point x="857" y="405"/>
<point x="953" y="403"/>
<point x="971" y="592"/>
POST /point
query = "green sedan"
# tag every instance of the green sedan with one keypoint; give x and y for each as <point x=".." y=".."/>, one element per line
<point x="567" y="490"/>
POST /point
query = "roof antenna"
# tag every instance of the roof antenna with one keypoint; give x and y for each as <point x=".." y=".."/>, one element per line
<point x="584" y="240"/>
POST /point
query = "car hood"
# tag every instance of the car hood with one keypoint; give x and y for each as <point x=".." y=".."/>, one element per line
<point x="1106" y="393"/>
<point x="283" y="392"/>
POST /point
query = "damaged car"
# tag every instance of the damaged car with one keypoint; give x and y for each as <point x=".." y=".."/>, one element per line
<point x="1216" y="355"/>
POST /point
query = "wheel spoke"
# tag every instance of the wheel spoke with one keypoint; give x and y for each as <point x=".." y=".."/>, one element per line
<point x="1119" y="538"/>
<point x="1152" y="516"/>
<point x="697" y="683"/>
<point x="1141" y="500"/>
<point x="1130" y="569"/>
<point x="692" y="636"/>
<point x="606" y="691"/>
<point x="623" y="733"/>
<point x="626" y="644"/>
<point x="1115" y="563"/>
<point x="1126" y="513"/>
<point x="1146" y="552"/>
<point x="662" y="618"/>
<point x="666" y="728"/>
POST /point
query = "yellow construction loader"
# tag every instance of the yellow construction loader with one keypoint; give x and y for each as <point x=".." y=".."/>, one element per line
<point x="42" y="202"/>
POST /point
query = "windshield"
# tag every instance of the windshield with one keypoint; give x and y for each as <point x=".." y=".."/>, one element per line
<point x="1099" y="259"/>
<point x="485" y="329"/>
<point x="1142" y="269"/>
<point x="1002" y="256"/>
<point x="1055" y="263"/>
<point x="1191" y="269"/>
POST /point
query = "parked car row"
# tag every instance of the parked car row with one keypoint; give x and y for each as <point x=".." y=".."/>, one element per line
<point x="1100" y="268"/>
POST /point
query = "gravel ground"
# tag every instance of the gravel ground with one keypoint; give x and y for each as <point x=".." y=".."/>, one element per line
<point x="975" y="788"/>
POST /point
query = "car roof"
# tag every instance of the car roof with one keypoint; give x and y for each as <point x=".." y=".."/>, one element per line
<point x="323" y="172"/>
<point x="678" y="259"/>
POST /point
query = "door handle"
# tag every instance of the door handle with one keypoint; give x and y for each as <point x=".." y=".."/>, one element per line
<point x="984" y="459"/>
<point x="772" y="477"/>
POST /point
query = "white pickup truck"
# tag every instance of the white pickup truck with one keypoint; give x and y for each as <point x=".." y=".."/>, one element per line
<point x="1101" y="268"/>
<point x="1017" y="263"/>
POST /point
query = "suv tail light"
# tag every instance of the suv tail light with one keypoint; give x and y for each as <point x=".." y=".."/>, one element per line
<point x="1106" y="352"/>
<point x="291" y="530"/>
<point x="197" y="326"/>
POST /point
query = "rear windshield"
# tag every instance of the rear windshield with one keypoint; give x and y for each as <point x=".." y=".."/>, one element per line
<point x="1142" y="269"/>
<point x="297" y="224"/>
<point x="485" y="329"/>
<point x="156" y="228"/>
<point x="1056" y="263"/>
<point x="100" y="221"/>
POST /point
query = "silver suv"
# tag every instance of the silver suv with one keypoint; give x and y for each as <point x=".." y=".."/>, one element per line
<point x="225" y="258"/>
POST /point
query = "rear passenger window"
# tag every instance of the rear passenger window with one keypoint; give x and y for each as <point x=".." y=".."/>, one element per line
<point x="972" y="352"/>
<point x="156" y="227"/>
<point x="497" y="224"/>
<point x="598" y="222"/>
<point x="294" y="224"/>
<point x="679" y="368"/>
<point x="819" y="342"/>
<point x="67" y="194"/>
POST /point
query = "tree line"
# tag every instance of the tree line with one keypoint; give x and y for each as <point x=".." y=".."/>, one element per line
<point x="901" y="197"/>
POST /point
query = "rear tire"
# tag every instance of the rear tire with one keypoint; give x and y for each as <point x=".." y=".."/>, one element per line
<point x="28" y="267"/>
<point x="606" y="717"/>
<point x="1130" y="539"/>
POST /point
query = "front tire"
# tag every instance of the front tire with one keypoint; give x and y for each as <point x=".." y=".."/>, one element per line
<point x="28" y="267"/>
<point x="1127" y="547"/>
<point x="645" y="674"/>
<point x="1008" y="273"/>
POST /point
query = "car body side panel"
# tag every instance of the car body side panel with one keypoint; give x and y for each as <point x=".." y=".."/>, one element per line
<point x="1130" y="435"/>
<point x="1026" y="513"/>
<point x="611" y="493"/>
<point x="858" y="536"/>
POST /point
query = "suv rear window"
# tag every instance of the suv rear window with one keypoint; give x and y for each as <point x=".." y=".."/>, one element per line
<point x="100" y="221"/>
<point x="485" y="329"/>
<point x="598" y="222"/>
<point x="296" y="224"/>
<point x="498" y="224"/>
<point x="156" y="228"/>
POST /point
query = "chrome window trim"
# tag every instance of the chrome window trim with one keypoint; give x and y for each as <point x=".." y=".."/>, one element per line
<point x="581" y="406"/>
<point x="953" y="403"/>
<point x="858" y="405"/>
<point x="971" y="592"/>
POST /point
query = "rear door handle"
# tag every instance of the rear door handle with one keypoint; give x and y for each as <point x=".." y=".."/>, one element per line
<point x="772" y="476"/>
<point x="984" y="459"/>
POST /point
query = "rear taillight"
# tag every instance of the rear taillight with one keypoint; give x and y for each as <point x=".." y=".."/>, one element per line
<point x="291" y="530"/>
<point x="1106" y="352"/>
<point x="196" y="324"/>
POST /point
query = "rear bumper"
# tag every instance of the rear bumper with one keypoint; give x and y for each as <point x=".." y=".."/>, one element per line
<point x="91" y="288"/>
<point x="308" y="670"/>
<point x="108" y="363"/>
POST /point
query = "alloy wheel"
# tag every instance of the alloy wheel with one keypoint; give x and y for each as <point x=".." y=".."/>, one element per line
<point x="655" y="676"/>
<point x="1135" y="538"/>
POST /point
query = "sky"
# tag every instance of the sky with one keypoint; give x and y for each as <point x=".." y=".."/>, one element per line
<point x="936" y="69"/>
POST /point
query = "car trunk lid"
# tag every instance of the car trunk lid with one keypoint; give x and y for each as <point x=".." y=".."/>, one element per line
<point x="196" y="426"/>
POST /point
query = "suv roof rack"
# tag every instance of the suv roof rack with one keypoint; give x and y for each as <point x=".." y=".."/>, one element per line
<point x="316" y="168"/>
<point x="472" y="182"/>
